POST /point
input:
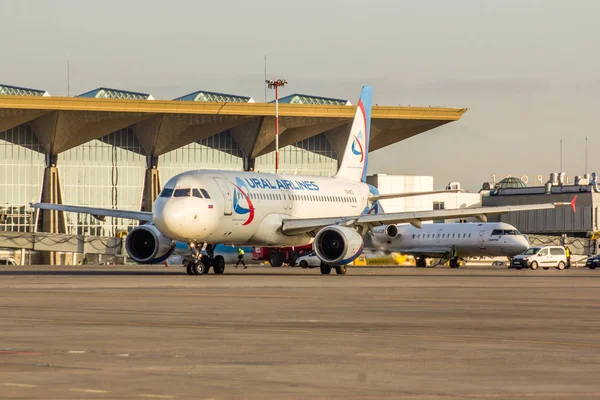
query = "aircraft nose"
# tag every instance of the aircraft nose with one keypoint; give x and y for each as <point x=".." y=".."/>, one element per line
<point x="522" y="244"/>
<point x="171" y="219"/>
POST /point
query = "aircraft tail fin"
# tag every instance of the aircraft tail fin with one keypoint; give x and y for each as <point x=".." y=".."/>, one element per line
<point x="355" y="158"/>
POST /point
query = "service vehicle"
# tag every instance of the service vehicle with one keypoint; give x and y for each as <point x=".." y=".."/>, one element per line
<point x="543" y="256"/>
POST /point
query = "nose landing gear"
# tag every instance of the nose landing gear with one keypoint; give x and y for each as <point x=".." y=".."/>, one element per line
<point x="201" y="263"/>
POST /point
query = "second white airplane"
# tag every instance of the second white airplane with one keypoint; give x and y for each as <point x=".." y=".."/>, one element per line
<point x="208" y="207"/>
<point x="490" y="239"/>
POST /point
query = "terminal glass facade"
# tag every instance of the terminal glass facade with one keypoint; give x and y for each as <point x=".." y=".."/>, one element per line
<point x="106" y="173"/>
<point x="200" y="155"/>
<point x="21" y="172"/>
<point x="312" y="156"/>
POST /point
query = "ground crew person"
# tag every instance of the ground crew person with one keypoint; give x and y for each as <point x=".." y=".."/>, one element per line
<point x="454" y="258"/>
<point x="240" y="258"/>
<point x="568" y="254"/>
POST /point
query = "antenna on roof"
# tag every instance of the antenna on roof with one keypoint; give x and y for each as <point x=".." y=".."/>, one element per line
<point x="265" y="78"/>
<point x="68" y="75"/>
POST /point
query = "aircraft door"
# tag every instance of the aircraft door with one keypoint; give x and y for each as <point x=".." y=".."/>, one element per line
<point x="482" y="239"/>
<point x="287" y="201"/>
<point x="227" y="196"/>
<point x="439" y="235"/>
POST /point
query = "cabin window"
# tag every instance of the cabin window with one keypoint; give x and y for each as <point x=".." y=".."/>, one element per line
<point x="196" y="193"/>
<point x="182" y="192"/>
<point x="497" y="232"/>
<point x="166" y="193"/>
<point x="413" y="235"/>
<point x="469" y="235"/>
<point x="453" y="235"/>
<point x="205" y="194"/>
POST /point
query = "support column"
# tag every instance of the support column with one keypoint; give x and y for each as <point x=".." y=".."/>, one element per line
<point x="151" y="183"/>
<point x="49" y="220"/>
<point x="249" y="163"/>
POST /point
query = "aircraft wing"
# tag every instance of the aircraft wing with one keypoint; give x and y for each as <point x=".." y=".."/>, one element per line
<point x="374" y="197"/>
<point x="313" y="225"/>
<point x="97" y="212"/>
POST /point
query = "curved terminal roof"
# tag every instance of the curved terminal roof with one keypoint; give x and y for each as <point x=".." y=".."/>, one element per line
<point x="62" y="123"/>
<point x="299" y="98"/>
<point x="9" y="90"/>
<point x="205" y="96"/>
<point x="108" y="93"/>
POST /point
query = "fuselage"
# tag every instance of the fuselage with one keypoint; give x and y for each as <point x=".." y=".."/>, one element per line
<point x="469" y="239"/>
<point x="249" y="207"/>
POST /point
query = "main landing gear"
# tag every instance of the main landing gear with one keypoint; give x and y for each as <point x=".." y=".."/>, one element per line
<point x="326" y="269"/>
<point x="201" y="263"/>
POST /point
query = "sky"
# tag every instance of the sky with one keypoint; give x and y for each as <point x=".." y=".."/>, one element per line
<point x="528" y="70"/>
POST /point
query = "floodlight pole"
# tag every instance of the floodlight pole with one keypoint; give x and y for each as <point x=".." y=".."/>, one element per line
<point x="274" y="84"/>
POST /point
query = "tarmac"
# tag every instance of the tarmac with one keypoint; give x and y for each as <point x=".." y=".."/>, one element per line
<point x="140" y="332"/>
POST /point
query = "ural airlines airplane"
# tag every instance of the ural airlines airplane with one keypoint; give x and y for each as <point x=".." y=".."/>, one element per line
<point x="204" y="208"/>
<point x="437" y="240"/>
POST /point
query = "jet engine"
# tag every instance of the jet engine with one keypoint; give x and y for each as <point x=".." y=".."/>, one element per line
<point x="338" y="245"/>
<point x="391" y="231"/>
<point x="146" y="245"/>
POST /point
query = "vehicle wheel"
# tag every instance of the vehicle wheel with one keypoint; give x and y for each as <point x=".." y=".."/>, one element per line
<point x="592" y="267"/>
<point x="276" y="259"/>
<point x="519" y="268"/>
<point x="340" y="270"/>
<point x="561" y="265"/>
<point x="219" y="265"/>
<point x="188" y="269"/>
<point x="534" y="265"/>
<point x="303" y="264"/>
<point x="325" y="269"/>
<point x="199" y="268"/>
<point x="546" y="268"/>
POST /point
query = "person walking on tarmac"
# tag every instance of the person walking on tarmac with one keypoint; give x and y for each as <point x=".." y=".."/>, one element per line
<point x="454" y="258"/>
<point x="568" y="254"/>
<point x="240" y="258"/>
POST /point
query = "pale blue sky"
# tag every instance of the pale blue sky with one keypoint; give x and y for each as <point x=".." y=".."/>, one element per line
<point x="528" y="70"/>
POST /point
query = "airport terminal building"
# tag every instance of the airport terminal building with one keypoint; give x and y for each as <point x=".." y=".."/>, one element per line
<point x="114" y="148"/>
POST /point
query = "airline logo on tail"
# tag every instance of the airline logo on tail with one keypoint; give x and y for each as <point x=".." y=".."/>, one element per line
<point x="353" y="166"/>
<point x="241" y="202"/>
<point x="357" y="147"/>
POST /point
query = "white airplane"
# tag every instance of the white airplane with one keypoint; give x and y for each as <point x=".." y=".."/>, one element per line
<point x="208" y="207"/>
<point x="436" y="240"/>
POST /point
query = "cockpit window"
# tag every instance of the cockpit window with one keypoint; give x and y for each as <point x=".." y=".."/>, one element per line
<point x="498" y="232"/>
<point x="182" y="192"/>
<point x="196" y="193"/>
<point x="166" y="193"/>
<point x="205" y="193"/>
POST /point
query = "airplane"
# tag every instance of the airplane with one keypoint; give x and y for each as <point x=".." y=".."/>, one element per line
<point x="436" y="240"/>
<point x="204" y="208"/>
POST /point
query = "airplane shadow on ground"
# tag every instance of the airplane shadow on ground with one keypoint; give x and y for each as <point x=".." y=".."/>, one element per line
<point x="350" y="275"/>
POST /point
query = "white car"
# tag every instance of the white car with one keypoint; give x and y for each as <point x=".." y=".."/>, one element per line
<point x="7" y="261"/>
<point x="545" y="257"/>
<point x="309" y="260"/>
